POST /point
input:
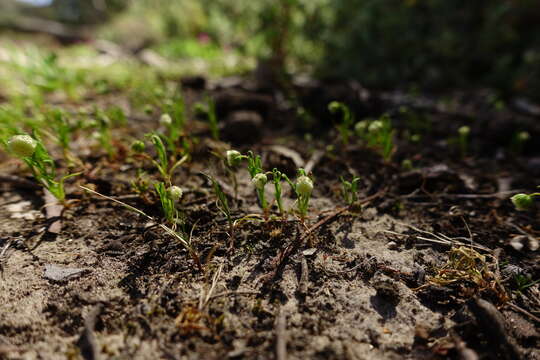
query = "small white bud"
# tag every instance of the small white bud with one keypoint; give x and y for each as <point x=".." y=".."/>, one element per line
<point x="375" y="126"/>
<point x="361" y="126"/>
<point x="22" y="145"/>
<point x="464" y="131"/>
<point x="176" y="193"/>
<point x="304" y="185"/>
<point x="259" y="181"/>
<point x="165" y="120"/>
<point x="233" y="158"/>
<point x="523" y="136"/>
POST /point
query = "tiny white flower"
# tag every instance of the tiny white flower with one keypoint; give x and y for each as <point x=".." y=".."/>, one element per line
<point x="304" y="185"/>
<point x="259" y="181"/>
<point x="464" y="130"/>
<point x="233" y="157"/>
<point x="176" y="193"/>
<point x="523" y="136"/>
<point x="361" y="126"/>
<point x="165" y="120"/>
<point x="22" y="145"/>
<point x="375" y="126"/>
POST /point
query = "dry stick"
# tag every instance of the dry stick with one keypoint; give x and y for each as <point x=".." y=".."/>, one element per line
<point x="281" y="335"/>
<point x="523" y="311"/>
<point x="3" y="256"/>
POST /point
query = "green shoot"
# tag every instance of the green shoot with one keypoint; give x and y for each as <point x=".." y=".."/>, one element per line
<point x="168" y="198"/>
<point x="380" y="136"/>
<point x="303" y="188"/>
<point x="162" y="163"/>
<point x="276" y="178"/>
<point x="173" y="119"/>
<point x="258" y="178"/>
<point x="523" y="202"/>
<point x="212" y="118"/>
<point x="524" y="282"/>
<point x="349" y="190"/>
<point x="344" y="127"/>
<point x="463" y="139"/>
<point x="43" y="168"/>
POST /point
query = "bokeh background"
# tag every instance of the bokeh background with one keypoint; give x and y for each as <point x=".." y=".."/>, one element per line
<point x="428" y="45"/>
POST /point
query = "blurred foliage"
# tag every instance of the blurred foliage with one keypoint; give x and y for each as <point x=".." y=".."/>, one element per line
<point x="436" y="43"/>
<point x="383" y="43"/>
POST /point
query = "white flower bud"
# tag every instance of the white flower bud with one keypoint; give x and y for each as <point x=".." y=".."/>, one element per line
<point x="304" y="185"/>
<point x="165" y="120"/>
<point x="523" y="136"/>
<point x="22" y="145"/>
<point x="176" y="193"/>
<point x="464" y="131"/>
<point x="375" y="126"/>
<point x="233" y="158"/>
<point x="259" y="181"/>
<point x="361" y="126"/>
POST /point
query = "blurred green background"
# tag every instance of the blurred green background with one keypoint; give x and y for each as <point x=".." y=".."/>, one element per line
<point x="408" y="44"/>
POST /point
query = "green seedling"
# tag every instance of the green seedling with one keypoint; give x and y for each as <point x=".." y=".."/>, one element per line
<point x="380" y="136"/>
<point x="524" y="282"/>
<point x="162" y="163"/>
<point x="276" y="179"/>
<point x="463" y="139"/>
<point x="303" y="188"/>
<point x="524" y="202"/>
<point x="173" y="120"/>
<point x="181" y="237"/>
<point x="519" y="141"/>
<point x="258" y="178"/>
<point x="349" y="190"/>
<point x="233" y="158"/>
<point x="34" y="154"/>
<point x="223" y="206"/>
<point x="60" y="127"/>
<point x="344" y="127"/>
<point x="169" y="197"/>
<point x="377" y="134"/>
<point x="209" y="111"/>
<point x="104" y="132"/>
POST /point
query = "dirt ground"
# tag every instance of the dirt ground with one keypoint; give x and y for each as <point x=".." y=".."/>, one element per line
<point x="425" y="269"/>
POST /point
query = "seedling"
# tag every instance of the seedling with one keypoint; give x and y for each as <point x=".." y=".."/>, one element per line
<point x="276" y="179"/>
<point x="463" y="139"/>
<point x="344" y="127"/>
<point x="519" y="141"/>
<point x="349" y="190"/>
<point x="377" y="134"/>
<point x="34" y="154"/>
<point x="303" y="188"/>
<point x="223" y="206"/>
<point x="524" y="282"/>
<point x="380" y="136"/>
<point x="173" y="120"/>
<point x="169" y="197"/>
<point x="258" y="178"/>
<point x="163" y="164"/>
<point x="210" y="112"/>
<point x="523" y="202"/>
<point x="233" y="158"/>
